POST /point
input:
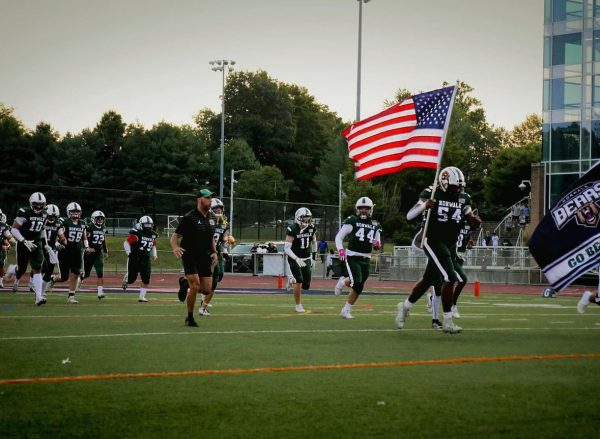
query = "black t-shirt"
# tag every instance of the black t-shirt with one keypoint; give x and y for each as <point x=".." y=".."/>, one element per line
<point x="197" y="232"/>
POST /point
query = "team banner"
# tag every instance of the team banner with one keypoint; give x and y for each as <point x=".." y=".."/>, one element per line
<point x="566" y="243"/>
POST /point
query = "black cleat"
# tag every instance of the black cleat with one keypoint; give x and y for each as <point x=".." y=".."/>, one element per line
<point x="189" y="321"/>
<point x="436" y="324"/>
<point x="183" y="287"/>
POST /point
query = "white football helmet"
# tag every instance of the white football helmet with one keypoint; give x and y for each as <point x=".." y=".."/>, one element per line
<point x="364" y="202"/>
<point x="215" y="203"/>
<point x="146" y="222"/>
<point x="451" y="176"/>
<point x="37" y="202"/>
<point x="52" y="212"/>
<point x="98" y="217"/>
<point x="303" y="216"/>
<point x="74" y="211"/>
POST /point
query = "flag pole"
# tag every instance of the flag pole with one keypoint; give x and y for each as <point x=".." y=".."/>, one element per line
<point x="443" y="144"/>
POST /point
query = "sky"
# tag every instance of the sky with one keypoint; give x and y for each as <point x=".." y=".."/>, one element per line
<point x="67" y="62"/>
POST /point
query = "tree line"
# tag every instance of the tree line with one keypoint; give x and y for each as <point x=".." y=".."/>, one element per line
<point x="289" y="145"/>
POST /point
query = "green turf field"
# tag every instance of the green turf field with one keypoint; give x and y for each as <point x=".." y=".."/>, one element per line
<point x="336" y="378"/>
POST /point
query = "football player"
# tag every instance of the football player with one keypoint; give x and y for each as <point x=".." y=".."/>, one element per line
<point x="588" y="297"/>
<point x="301" y="249"/>
<point x="97" y="253"/>
<point x="448" y="205"/>
<point x="140" y="246"/>
<point x="52" y="246"/>
<point x="72" y="234"/>
<point x="28" y="230"/>
<point x="364" y="236"/>
<point x="5" y="239"/>
<point x="222" y="244"/>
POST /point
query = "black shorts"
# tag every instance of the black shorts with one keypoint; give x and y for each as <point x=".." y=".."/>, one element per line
<point x="197" y="264"/>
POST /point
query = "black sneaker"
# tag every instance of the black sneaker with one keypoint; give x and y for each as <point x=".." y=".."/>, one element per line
<point x="189" y="321"/>
<point x="435" y="324"/>
<point x="183" y="287"/>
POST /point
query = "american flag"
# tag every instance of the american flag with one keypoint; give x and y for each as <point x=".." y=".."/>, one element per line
<point x="406" y="135"/>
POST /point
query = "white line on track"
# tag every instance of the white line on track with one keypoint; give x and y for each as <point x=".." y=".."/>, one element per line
<point x="290" y="331"/>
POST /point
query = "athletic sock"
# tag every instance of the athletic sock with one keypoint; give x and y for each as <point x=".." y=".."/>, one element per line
<point x="143" y="293"/>
<point x="37" y="285"/>
<point x="448" y="315"/>
<point x="100" y="290"/>
<point x="407" y="304"/>
<point x="347" y="307"/>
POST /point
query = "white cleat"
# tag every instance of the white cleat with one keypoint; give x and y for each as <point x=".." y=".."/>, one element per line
<point x="584" y="302"/>
<point x="101" y="296"/>
<point x="300" y="309"/>
<point x="72" y="300"/>
<point x="455" y="313"/>
<point x="142" y="300"/>
<point x="346" y="315"/>
<point x="339" y="286"/>
<point x="203" y="312"/>
<point x="429" y="303"/>
<point x="403" y="313"/>
<point x="41" y="301"/>
<point x="450" y="327"/>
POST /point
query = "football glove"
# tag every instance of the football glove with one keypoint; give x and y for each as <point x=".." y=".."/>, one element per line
<point x="58" y="246"/>
<point x="48" y="248"/>
<point x="301" y="263"/>
<point x="30" y="245"/>
<point x="342" y="254"/>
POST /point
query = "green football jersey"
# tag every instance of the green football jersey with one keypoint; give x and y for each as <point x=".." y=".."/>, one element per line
<point x="96" y="236"/>
<point x="362" y="236"/>
<point x="447" y="215"/>
<point x="73" y="232"/>
<point x="32" y="224"/>
<point x="146" y="240"/>
<point x="464" y="235"/>
<point x="220" y="229"/>
<point x="303" y="238"/>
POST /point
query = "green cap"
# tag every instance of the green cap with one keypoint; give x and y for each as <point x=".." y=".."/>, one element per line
<point x="205" y="193"/>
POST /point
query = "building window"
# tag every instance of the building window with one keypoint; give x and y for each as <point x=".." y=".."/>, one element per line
<point x="546" y="142"/>
<point x="566" y="93"/>
<point x="565" y="141"/>
<point x="566" y="10"/>
<point x="595" y="139"/>
<point x="559" y="184"/>
<point x="566" y="49"/>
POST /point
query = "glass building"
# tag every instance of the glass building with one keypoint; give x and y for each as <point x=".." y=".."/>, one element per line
<point x="571" y="106"/>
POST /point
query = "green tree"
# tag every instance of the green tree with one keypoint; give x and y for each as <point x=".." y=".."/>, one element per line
<point x="111" y="130"/>
<point x="265" y="183"/>
<point x="510" y="166"/>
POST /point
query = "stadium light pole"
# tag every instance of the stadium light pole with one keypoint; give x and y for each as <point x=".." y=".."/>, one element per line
<point x="223" y="66"/>
<point x="358" y="71"/>
<point x="231" y="198"/>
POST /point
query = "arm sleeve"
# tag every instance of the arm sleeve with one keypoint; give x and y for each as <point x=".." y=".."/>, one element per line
<point x="127" y="247"/>
<point x="287" y="247"/>
<point x="16" y="233"/>
<point x="339" y="238"/>
<point x="153" y="252"/>
<point x="416" y="210"/>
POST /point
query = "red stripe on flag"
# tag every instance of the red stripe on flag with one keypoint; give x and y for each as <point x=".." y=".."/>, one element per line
<point x="399" y="144"/>
<point x="399" y="156"/>
<point x="402" y="106"/>
<point x="395" y="169"/>
<point x="404" y="118"/>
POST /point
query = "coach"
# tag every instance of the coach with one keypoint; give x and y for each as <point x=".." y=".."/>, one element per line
<point x="197" y="249"/>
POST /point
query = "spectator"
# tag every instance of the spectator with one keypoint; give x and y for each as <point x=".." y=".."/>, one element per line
<point x="323" y="247"/>
<point x="495" y="240"/>
<point x="329" y="263"/>
<point x="515" y="212"/>
<point x="525" y="211"/>
<point x="272" y="248"/>
<point x="508" y="224"/>
<point x="487" y="240"/>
